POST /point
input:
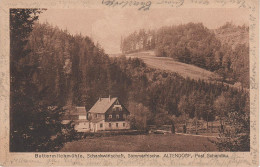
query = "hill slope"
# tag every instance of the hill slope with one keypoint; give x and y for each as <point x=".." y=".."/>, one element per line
<point x="168" y="64"/>
<point x="185" y="70"/>
<point x="224" y="51"/>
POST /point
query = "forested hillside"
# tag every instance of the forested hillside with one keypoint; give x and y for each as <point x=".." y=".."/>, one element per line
<point x="224" y="51"/>
<point x="78" y="72"/>
<point x="233" y="35"/>
<point x="75" y="70"/>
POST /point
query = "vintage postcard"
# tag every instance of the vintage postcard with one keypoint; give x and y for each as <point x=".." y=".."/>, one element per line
<point x="129" y="83"/>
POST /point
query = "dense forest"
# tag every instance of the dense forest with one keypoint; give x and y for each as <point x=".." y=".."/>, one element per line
<point x="57" y="69"/>
<point x="224" y="50"/>
<point x="78" y="72"/>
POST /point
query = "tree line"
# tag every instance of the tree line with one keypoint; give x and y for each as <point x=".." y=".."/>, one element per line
<point x="52" y="68"/>
<point x="193" y="43"/>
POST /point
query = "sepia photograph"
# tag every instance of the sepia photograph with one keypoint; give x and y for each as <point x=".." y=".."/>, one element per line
<point x="102" y="80"/>
<point x="94" y="80"/>
<point x="129" y="83"/>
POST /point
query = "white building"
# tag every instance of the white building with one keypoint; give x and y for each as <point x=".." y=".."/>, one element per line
<point x="106" y="114"/>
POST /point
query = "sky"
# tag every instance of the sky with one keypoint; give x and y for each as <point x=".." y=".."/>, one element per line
<point x="106" y="26"/>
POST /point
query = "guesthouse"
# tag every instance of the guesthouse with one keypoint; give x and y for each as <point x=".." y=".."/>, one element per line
<point x="106" y="114"/>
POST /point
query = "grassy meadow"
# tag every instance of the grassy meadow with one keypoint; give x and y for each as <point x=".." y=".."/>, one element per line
<point x="142" y="143"/>
<point x="168" y="64"/>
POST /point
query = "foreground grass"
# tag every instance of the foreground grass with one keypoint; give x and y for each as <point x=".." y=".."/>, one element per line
<point x="142" y="143"/>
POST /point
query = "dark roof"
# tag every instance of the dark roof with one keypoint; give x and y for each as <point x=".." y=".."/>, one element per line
<point x="102" y="105"/>
<point x="79" y="110"/>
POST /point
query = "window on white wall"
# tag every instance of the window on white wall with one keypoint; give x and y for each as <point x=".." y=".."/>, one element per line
<point x="110" y="125"/>
<point x="117" y="125"/>
<point x="117" y="116"/>
<point x="101" y="125"/>
<point x="123" y="124"/>
<point x="110" y="116"/>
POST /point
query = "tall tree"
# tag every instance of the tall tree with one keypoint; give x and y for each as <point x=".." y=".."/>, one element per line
<point x="33" y="123"/>
<point x="21" y="24"/>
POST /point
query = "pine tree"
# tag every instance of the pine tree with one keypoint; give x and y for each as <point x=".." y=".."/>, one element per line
<point x="34" y="125"/>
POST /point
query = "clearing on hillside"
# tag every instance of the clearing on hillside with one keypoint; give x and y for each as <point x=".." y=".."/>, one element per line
<point x="168" y="64"/>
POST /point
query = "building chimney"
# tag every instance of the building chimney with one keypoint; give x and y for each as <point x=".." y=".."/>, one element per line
<point x="109" y="98"/>
<point x="99" y="99"/>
